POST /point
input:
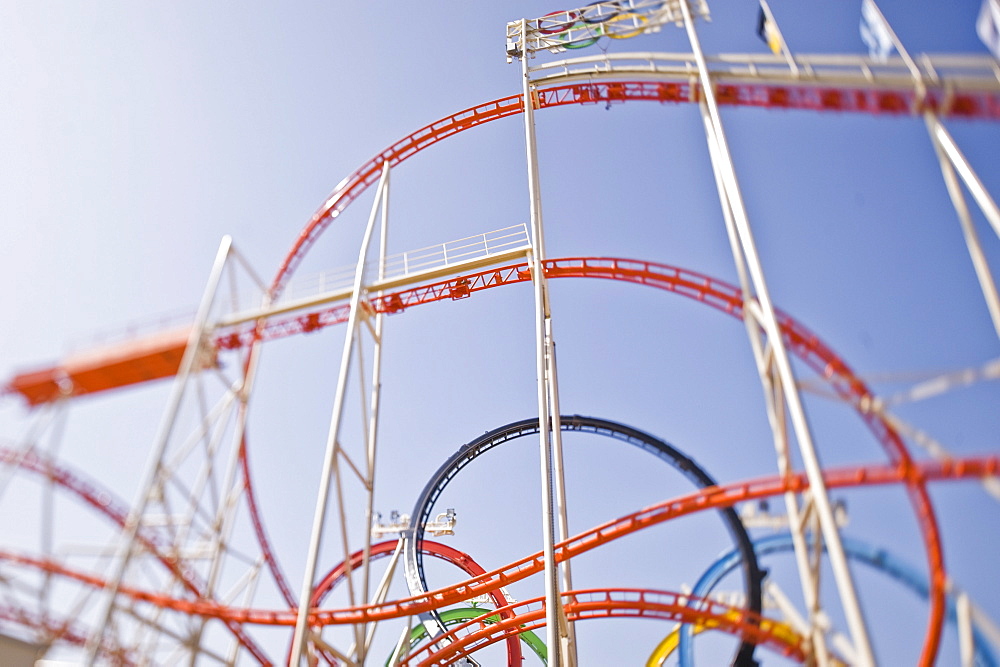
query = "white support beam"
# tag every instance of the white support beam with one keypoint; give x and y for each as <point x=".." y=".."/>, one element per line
<point x="780" y="375"/>
<point x="331" y="459"/>
<point x="159" y="450"/>
<point x="951" y="158"/>
<point x="560" y="644"/>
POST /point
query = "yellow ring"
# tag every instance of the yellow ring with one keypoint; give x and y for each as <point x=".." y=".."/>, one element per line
<point x="621" y="17"/>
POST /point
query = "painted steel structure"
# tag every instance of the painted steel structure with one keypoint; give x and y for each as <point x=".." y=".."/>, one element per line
<point x="422" y="510"/>
<point x="201" y="574"/>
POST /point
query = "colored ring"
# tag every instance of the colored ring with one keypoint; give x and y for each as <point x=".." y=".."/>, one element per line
<point x="597" y="32"/>
<point x="460" y="615"/>
<point x="581" y="45"/>
<point x="625" y="35"/>
<point x="561" y="27"/>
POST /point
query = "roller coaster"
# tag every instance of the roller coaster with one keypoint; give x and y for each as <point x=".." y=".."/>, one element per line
<point x="190" y="571"/>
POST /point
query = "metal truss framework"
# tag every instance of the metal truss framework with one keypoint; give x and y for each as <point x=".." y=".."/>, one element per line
<point x="197" y="511"/>
<point x="724" y="297"/>
<point x="721" y="496"/>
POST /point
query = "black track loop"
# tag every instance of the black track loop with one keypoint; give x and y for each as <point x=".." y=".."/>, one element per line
<point x="413" y="557"/>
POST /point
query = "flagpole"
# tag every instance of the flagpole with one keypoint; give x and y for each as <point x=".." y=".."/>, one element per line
<point x="903" y="53"/>
<point x="785" y="51"/>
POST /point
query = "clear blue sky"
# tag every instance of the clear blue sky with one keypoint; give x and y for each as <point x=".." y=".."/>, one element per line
<point x="135" y="135"/>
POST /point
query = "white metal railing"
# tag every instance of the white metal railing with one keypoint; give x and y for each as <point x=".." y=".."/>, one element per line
<point x="413" y="262"/>
<point x="975" y="72"/>
<point x="133" y="330"/>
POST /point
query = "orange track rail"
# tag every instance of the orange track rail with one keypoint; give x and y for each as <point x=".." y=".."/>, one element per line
<point x="50" y="384"/>
<point x="716" y="293"/>
<point x="706" y="499"/>
<point x="604" y="603"/>
<point x="148" y="359"/>
<point x="138" y="360"/>
<point x="948" y="103"/>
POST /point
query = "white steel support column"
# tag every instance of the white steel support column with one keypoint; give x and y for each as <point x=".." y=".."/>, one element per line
<point x="966" y="642"/>
<point x="225" y="515"/>
<point x="131" y="528"/>
<point x="561" y="647"/>
<point x="331" y="460"/>
<point x="951" y="158"/>
<point x="781" y="378"/>
<point x="382" y="591"/>
<point x="224" y="521"/>
<point x="372" y="434"/>
<point x="809" y="579"/>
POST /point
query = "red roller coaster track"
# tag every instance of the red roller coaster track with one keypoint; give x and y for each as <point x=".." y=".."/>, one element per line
<point x="127" y="366"/>
<point x="605" y="603"/>
<point x="948" y="103"/>
<point x="718" y="294"/>
<point x="706" y="499"/>
<point x="448" y="554"/>
<point x="116" y="511"/>
<point x="158" y="358"/>
<point x="715" y="293"/>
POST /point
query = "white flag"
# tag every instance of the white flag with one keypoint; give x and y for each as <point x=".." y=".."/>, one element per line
<point x="875" y="32"/>
<point x="988" y="26"/>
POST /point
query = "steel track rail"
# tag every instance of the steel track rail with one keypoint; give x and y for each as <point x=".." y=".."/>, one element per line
<point x="688" y="467"/>
<point x="716" y="293"/>
<point x="442" y="551"/>
<point x="950" y="97"/>
<point x="117" y="511"/>
<point x="725" y="495"/>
